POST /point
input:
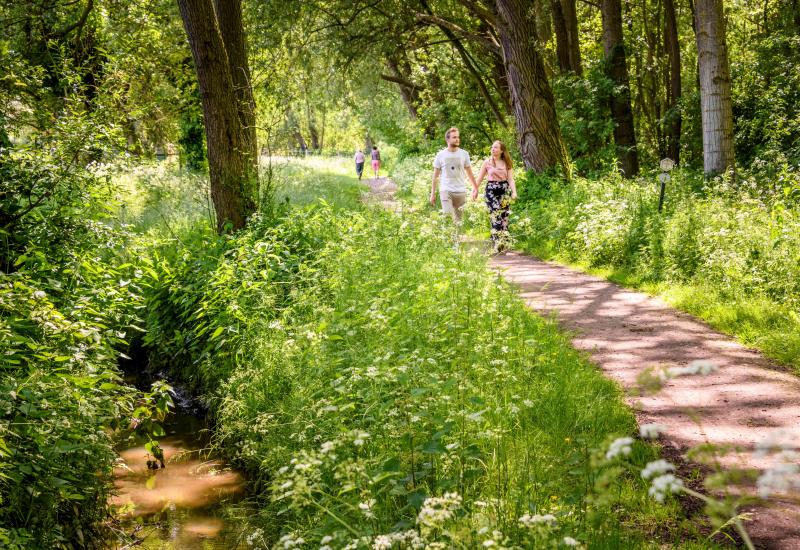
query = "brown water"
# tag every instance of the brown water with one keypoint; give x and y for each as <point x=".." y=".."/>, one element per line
<point x="193" y="503"/>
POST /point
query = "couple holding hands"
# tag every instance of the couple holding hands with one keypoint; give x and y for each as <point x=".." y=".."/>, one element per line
<point x="453" y="165"/>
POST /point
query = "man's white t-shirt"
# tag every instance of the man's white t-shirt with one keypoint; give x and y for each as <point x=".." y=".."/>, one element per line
<point x="453" y="165"/>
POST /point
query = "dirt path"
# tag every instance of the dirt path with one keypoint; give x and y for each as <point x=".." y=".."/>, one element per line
<point x="381" y="191"/>
<point x="747" y="401"/>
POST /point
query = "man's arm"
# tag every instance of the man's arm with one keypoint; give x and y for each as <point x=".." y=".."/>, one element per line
<point x="436" y="172"/>
<point x="472" y="180"/>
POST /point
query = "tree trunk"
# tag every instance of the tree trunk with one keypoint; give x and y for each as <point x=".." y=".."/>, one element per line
<point x="560" y="27"/>
<point x="565" y="22"/>
<point x="673" y="120"/>
<point x="410" y="94"/>
<point x="617" y="71"/>
<point x="571" y="19"/>
<point x="229" y="154"/>
<point x="715" y="88"/>
<point x="312" y="131"/>
<point x="538" y="133"/>
<point x="229" y="18"/>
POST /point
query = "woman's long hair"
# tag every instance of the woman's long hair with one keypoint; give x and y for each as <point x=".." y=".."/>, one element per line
<point x="505" y="155"/>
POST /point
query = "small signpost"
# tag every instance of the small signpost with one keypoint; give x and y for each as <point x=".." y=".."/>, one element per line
<point x="666" y="165"/>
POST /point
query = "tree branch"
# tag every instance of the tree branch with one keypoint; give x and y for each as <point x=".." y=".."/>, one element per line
<point x="77" y="24"/>
<point x="480" y="12"/>
<point x="444" y="23"/>
<point x="401" y="81"/>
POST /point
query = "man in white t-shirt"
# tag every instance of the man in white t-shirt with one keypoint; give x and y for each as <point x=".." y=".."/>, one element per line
<point x="453" y="165"/>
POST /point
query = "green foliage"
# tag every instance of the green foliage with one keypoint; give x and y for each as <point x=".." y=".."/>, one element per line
<point x="583" y="116"/>
<point x="366" y="376"/>
<point x="70" y="294"/>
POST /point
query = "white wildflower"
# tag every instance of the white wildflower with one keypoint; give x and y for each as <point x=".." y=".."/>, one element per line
<point x="701" y="367"/>
<point x="569" y="541"/>
<point x="529" y="520"/>
<point x="326" y="539"/>
<point x="289" y="541"/>
<point x="437" y="510"/>
<point x="528" y="403"/>
<point x="657" y="468"/>
<point x="620" y="446"/>
<point x="39" y="295"/>
<point x="781" y="478"/>
<point x="359" y="438"/>
<point x="252" y="537"/>
<point x="664" y="485"/>
<point x="366" y="508"/>
<point x="780" y="441"/>
<point x="651" y="431"/>
<point x="382" y="542"/>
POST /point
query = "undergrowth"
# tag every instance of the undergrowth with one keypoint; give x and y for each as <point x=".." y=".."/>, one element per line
<point x="382" y="388"/>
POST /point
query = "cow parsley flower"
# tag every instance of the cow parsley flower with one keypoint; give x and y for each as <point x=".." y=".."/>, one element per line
<point x="651" y="431"/>
<point x="620" y="446"/>
<point x="664" y="485"/>
<point x="656" y="468"/>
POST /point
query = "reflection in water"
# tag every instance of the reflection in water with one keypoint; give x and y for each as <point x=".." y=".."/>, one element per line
<point x="186" y="505"/>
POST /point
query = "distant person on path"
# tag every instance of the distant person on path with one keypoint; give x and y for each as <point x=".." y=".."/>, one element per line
<point x="500" y="191"/>
<point x="359" y="158"/>
<point x="376" y="160"/>
<point x="453" y="165"/>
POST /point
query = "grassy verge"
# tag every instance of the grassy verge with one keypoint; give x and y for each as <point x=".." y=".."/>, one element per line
<point x="382" y="388"/>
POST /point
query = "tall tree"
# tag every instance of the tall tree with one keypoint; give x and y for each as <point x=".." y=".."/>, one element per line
<point x="620" y="100"/>
<point x="232" y="164"/>
<point x="538" y="133"/>
<point x="229" y="18"/>
<point x="565" y="22"/>
<point x="715" y="87"/>
<point x="673" y="119"/>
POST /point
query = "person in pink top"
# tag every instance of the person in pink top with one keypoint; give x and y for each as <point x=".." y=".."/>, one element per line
<point x="376" y="160"/>
<point x="500" y="191"/>
<point x="359" y="158"/>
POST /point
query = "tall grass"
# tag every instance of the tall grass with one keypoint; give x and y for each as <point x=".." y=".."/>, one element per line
<point x="382" y="388"/>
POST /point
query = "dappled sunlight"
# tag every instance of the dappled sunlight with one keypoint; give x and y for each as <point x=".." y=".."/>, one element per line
<point x="746" y="401"/>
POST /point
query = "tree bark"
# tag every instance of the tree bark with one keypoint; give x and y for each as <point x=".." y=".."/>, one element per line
<point x="620" y="101"/>
<point x="715" y="88"/>
<point x="560" y="28"/>
<point x="565" y="22"/>
<point x="229" y="18"/>
<point x="230" y="158"/>
<point x="673" y="120"/>
<point x="538" y="133"/>
<point x="574" y="47"/>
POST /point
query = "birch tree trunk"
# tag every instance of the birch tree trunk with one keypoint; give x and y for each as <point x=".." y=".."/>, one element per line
<point x="715" y="87"/>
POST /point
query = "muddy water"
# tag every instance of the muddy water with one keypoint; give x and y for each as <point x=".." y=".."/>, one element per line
<point x="193" y="503"/>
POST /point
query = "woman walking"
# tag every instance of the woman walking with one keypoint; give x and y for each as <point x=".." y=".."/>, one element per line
<point x="500" y="191"/>
<point x="376" y="160"/>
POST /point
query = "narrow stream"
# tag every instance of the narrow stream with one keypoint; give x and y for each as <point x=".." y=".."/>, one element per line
<point x="192" y="503"/>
